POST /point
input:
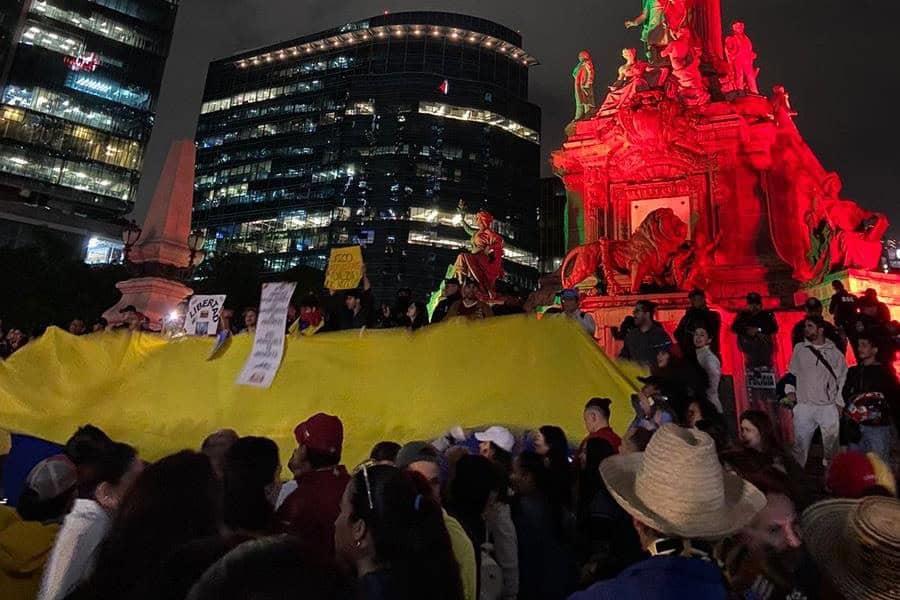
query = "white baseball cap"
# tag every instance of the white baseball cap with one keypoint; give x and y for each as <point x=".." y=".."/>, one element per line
<point x="499" y="436"/>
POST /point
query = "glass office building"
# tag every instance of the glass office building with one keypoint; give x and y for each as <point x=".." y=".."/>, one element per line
<point x="78" y="88"/>
<point x="372" y="133"/>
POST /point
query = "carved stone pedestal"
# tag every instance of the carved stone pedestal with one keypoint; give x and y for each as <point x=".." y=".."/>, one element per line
<point x="154" y="297"/>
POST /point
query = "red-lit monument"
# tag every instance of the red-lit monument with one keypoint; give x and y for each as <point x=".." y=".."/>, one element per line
<point x="684" y="175"/>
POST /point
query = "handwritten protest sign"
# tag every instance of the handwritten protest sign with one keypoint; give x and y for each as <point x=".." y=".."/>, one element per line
<point x="203" y="315"/>
<point x="345" y="268"/>
<point x="268" y="343"/>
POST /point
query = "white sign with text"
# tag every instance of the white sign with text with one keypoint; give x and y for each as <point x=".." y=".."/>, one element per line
<point x="203" y="315"/>
<point x="268" y="342"/>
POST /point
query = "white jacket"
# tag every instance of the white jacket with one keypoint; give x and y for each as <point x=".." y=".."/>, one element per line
<point x="815" y="385"/>
<point x="713" y="367"/>
<point x="75" y="549"/>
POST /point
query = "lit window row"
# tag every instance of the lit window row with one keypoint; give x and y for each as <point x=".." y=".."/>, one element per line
<point x="69" y="138"/>
<point x="317" y="66"/>
<point x="368" y="35"/>
<point x="139" y="9"/>
<point x="260" y="131"/>
<point x="255" y="112"/>
<point x="109" y="89"/>
<point x="97" y="23"/>
<point x="330" y="175"/>
<point x="227" y="156"/>
<point x="361" y="108"/>
<point x="80" y="176"/>
<point x="475" y="115"/>
<point x="241" y="174"/>
<point x="55" y="40"/>
<point x="260" y="95"/>
<point x="68" y="108"/>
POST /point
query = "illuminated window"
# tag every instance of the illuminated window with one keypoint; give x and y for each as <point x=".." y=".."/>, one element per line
<point x="55" y="40"/>
<point x="101" y="251"/>
<point x="77" y="175"/>
<point x="260" y="95"/>
<point x="461" y="113"/>
<point x="109" y="89"/>
<point x="259" y="131"/>
<point x="361" y="108"/>
<point x="99" y="24"/>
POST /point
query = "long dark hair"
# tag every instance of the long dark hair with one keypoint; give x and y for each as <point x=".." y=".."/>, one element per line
<point x="249" y="470"/>
<point x="421" y="318"/>
<point x="407" y="528"/>
<point x="557" y="460"/>
<point x="172" y="502"/>
<point x="770" y="444"/>
<point x="596" y="450"/>
<point x="534" y="465"/>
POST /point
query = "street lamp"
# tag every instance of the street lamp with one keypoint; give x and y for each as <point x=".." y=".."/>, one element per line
<point x="195" y="242"/>
<point x="130" y="235"/>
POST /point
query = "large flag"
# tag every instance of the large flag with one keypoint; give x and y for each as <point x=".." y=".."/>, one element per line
<point x="163" y="396"/>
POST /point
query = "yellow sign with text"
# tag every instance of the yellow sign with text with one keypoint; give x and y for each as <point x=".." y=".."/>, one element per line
<point x="345" y="268"/>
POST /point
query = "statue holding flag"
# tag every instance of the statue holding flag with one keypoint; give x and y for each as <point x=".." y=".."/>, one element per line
<point x="483" y="263"/>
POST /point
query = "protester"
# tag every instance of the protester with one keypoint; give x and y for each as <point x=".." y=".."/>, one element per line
<point x="853" y="474"/>
<point x="449" y="295"/>
<point x="872" y="398"/>
<point x="644" y="340"/>
<point x="251" y="485"/>
<point x="569" y="300"/>
<point x="309" y="512"/>
<point x="273" y="568"/>
<point x="469" y="492"/>
<point x="813" y="308"/>
<point x="422" y="458"/>
<point x="172" y="502"/>
<point x="550" y="443"/>
<point x="105" y="472"/>
<point x="215" y="446"/>
<point x="854" y="544"/>
<point x="385" y="319"/>
<point x="469" y="305"/>
<point x="77" y="327"/>
<point x="680" y="498"/>
<point x="14" y="340"/>
<point x="310" y="319"/>
<point x="820" y="369"/>
<point x="757" y="433"/>
<point x="402" y="301"/>
<point x="545" y="532"/>
<point x="384" y="453"/>
<point x="596" y="422"/>
<point x="416" y="316"/>
<point x="882" y="312"/>
<point x="710" y="364"/>
<point x="392" y="533"/>
<point x="99" y="325"/>
<point x="698" y="315"/>
<point x="755" y="329"/>
<point x="250" y="317"/>
<point x="842" y="306"/>
<point x="651" y="405"/>
<point x="26" y="538"/>
<point x="496" y="440"/>
<point x="683" y="378"/>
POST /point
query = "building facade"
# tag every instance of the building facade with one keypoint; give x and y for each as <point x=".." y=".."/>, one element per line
<point x="78" y="87"/>
<point x="372" y="133"/>
<point x="552" y="224"/>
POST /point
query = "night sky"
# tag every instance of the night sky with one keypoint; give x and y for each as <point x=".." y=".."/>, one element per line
<point x="837" y="59"/>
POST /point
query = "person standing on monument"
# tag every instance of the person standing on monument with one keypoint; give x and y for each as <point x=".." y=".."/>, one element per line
<point x="813" y="308"/>
<point x="842" y="306"/>
<point x="698" y="315"/>
<point x="756" y="329"/>
<point x="643" y="342"/>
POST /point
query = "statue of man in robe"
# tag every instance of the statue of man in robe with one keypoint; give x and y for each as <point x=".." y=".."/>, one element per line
<point x="584" y="85"/>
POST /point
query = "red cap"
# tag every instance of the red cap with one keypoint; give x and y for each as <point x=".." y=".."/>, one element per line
<point x="850" y="475"/>
<point x="321" y="432"/>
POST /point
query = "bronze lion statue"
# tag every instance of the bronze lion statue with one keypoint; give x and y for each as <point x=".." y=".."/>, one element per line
<point x="647" y="254"/>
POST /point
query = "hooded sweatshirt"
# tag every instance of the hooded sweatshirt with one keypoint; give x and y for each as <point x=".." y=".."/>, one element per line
<point x="24" y="549"/>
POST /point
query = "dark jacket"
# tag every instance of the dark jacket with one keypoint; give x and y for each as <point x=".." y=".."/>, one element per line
<point x="443" y="307"/>
<point x="341" y="317"/>
<point x="881" y="401"/>
<point x="694" y="318"/>
<point x="546" y="556"/>
<point x="642" y="347"/>
<point x="831" y="333"/>
<point x="758" y="349"/>
<point x="842" y="307"/>
<point x="310" y="511"/>
<point x="662" y="578"/>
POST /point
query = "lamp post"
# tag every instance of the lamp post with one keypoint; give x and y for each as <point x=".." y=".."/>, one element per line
<point x="130" y="236"/>
<point x="195" y="242"/>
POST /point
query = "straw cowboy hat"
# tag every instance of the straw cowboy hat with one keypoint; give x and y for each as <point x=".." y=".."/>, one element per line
<point x="857" y="543"/>
<point x="677" y="487"/>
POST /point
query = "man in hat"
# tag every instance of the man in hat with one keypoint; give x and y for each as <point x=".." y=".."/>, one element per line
<point x="569" y="300"/>
<point x="310" y="511"/>
<point x="820" y="369"/>
<point x="680" y="500"/>
<point x="449" y="295"/>
<point x="422" y="458"/>
<point x="644" y="341"/>
<point x="855" y="545"/>
<point x="813" y="308"/>
<point x="698" y="315"/>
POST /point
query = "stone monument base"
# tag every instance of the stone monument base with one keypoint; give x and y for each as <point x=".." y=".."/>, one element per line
<point x="153" y="296"/>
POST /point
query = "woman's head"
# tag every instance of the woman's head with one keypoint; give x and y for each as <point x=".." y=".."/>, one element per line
<point x="758" y="432"/>
<point x="550" y="441"/>
<point x="701" y="337"/>
<point x="388" y="520"/>
<point x="417" y="314"/>
<point x="107" y="476"/>
<point x="251" y="471"/>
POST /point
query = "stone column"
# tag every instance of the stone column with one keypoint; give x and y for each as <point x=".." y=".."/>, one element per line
<point x="706" y="17"/>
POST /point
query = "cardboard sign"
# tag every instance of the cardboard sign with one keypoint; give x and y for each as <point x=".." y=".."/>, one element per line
<point x="760" y="379"/>
<point x="268" y="342"/>
<point x="203" y="315"/>
<point x="345" y="268"/>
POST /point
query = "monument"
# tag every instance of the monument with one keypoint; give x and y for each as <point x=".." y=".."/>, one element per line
<point x="162" y="255"/>
<point x="685" y="176"/>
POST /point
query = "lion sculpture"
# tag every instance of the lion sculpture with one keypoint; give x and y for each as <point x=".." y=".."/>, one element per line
<point x="647" y="254"/>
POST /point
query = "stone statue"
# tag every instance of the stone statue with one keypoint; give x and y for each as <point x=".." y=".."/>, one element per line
<point x="648" y="253"/>
<point x="740" y="55"/>
<point x="691" y="87"/>
<point x="483" y="263"/>
<point x="658" y="19"/>
<point x="584" y="85"/>
<point x="781" y="107"/>
<point x="630" y="80"/>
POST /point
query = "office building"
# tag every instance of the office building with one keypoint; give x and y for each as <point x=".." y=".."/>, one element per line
<point x="371" y="133"/>
<point x="552" y="224"/>
<point x="78" y="87"/>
